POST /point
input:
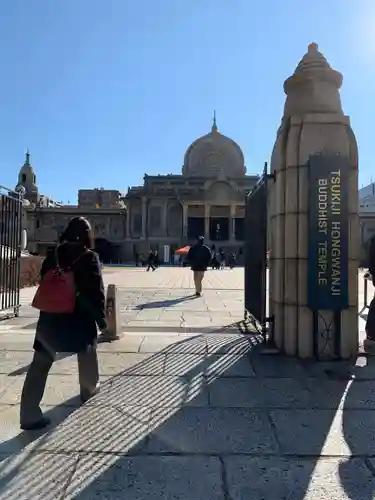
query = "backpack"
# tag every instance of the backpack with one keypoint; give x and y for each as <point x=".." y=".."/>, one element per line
<point x="57" y="290"/>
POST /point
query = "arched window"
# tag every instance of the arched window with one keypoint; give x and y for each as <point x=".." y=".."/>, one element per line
<point x="23" y="177"/>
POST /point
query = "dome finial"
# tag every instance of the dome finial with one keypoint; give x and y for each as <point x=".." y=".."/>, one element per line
<point x="214" y="126"/>
<point x="27" y="161"/>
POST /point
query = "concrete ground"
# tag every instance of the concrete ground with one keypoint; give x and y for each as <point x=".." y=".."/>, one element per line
<point x="189" y="408"/>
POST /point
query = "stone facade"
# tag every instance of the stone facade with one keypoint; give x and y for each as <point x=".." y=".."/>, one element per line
<point x="208" y="198"/>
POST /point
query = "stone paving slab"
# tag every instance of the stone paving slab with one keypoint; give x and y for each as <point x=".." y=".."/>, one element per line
<point x="280" y="478"/>
<point x="168" y="477"/>
<point x="211" y="431"/>
<point x="39" y="476"/>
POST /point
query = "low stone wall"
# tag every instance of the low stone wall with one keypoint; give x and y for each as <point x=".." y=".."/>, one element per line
<point x="30" y="270"/>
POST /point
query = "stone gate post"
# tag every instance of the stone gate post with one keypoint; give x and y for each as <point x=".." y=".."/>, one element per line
<point x="313" y="123"/>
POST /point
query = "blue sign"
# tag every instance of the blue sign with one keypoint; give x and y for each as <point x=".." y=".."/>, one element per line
<point x="328" y="239"/>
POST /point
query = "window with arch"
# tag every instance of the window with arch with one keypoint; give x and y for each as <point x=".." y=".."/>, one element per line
<point x="23" y="177"/>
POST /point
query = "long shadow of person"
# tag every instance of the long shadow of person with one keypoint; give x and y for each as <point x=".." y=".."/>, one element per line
<point x="164" y="303"/>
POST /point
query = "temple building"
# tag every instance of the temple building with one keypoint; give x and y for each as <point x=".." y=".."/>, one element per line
<point x="207" y="198"/>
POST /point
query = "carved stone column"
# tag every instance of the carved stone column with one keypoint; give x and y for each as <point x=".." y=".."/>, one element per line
<point x="128" y="226"/>
<point x="207" y="209"/>
<point x="232" y="234"/>
<point x="185" y="221"/>
<point x="107" y="225"/>
<point x="164" y="218"/>
<point x="313" y="122"/>
<point x="144" y="217"/>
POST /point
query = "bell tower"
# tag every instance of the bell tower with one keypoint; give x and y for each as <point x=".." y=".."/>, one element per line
<point x="27" y="179"/>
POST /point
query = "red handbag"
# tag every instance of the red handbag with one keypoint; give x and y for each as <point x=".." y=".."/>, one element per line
<point x="57" y="291"/>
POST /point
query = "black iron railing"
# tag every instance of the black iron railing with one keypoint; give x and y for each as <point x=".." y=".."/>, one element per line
<point x="10" y="250"/>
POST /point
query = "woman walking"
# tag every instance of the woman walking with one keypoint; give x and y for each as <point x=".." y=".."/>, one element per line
<point x="71" y="301"/>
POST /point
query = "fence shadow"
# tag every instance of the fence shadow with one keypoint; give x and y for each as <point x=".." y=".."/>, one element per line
<point x="218" y="420"/>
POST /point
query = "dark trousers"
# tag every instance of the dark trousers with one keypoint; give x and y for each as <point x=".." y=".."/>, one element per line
<point x="151" y="265"/>
<point x="36" y="378"/>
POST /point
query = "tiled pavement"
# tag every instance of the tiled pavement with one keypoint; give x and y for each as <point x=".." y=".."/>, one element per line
<point x="185" y="414"/>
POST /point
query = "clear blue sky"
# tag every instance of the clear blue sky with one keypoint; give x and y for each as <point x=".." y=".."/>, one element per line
<point x="102" y="91"/>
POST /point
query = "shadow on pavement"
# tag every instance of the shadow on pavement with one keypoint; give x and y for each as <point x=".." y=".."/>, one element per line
<point x="225" y="422"/>
<point x="164" y="303"/>
<point x="357" y="471"/>
<point x="23" y="369"/>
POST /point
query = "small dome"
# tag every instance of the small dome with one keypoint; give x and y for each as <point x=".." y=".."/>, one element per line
<point x="27" y="178"/>
<point x="212" y="154"/>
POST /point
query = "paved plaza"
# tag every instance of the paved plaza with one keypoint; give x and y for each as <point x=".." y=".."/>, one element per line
<point x="189" y="407"/>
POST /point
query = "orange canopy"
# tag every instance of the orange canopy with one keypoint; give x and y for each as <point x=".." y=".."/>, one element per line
<point x="182" y="250"/>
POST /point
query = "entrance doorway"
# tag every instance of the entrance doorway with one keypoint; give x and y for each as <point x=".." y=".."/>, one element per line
<point x="195" y="227"/>
<point x="106" y="251"/>
<point x="219" y="229"/>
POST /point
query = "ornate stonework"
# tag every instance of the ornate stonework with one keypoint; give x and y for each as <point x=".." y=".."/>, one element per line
<point x="214" y="153"/>
<point x="208" y="198"/>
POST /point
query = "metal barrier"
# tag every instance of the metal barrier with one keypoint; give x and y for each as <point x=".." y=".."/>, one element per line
<point x="365" y="292"/>
<point x="10" y="250"/>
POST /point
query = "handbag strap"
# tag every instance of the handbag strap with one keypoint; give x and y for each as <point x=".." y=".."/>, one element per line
<point x="72" y="264"/>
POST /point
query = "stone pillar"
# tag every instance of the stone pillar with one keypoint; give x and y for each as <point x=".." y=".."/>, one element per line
<point x="113" y="316"/>
<point x="313" y="122"/>
<point x="128" y="225"/>
<point x="164" y="218"/>
<point x="232" y="230"/>
<point x="207" y="209"/>
<point x="184" y="222"/>
<point x="144" y="217"/>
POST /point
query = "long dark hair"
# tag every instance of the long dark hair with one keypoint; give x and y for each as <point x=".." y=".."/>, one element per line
<point x="78" y="231"/>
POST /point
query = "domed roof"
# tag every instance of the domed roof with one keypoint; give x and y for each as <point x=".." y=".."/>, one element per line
<point x="214" y="154"/>
<point x="26" y="177"/>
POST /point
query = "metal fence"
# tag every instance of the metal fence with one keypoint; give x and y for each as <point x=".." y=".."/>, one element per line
<point x="10" y="250"/>
<point x="256" y="254"/>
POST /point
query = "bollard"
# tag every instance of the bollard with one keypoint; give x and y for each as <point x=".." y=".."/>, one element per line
<point x="112" y="314"/>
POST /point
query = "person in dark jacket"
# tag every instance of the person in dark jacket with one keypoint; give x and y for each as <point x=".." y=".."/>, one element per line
<point x="199" y="257"/>
<point x="370" y="322"/>
<point x="151" y="261"/>
<point x="64" y="332"/>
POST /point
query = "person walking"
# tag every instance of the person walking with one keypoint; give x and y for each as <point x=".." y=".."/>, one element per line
<point x="71" y="301"/>
<point x="199" y="257"/>
<point x="231" y="260"/>
<point x="151" y="261"/>
<point x="369" y="342"/>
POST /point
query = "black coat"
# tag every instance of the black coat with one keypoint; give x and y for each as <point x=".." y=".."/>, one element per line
<point x="371" y="258"/>
<point x="199" y="257"/>
<point x="74" y="332"/>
